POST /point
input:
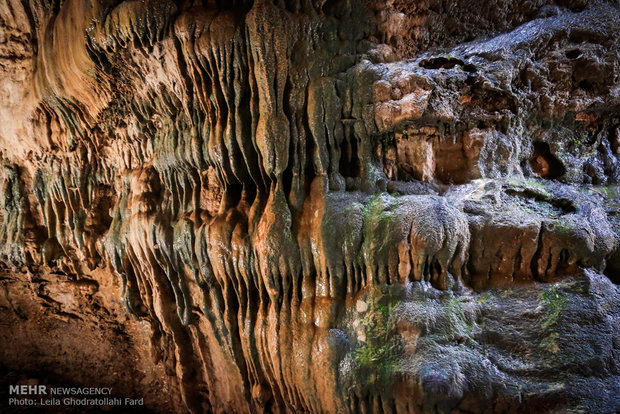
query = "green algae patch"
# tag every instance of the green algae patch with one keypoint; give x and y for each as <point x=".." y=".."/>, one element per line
<point x="378" y="352"/>
<point x="555" y="302"/>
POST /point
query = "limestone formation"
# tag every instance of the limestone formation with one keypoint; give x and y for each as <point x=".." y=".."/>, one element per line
<point x="341" y="206"/>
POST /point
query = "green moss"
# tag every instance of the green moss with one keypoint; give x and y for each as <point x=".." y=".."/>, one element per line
<point x="578" y="139"/>
<point x="380" y="358"/>
<point x="531" y="182"/>
<point x="550" y="342"/>
<point x="459" y="318"/>
<point x="375" y="211"/>
<point x="378" y="215"/>
<point x="539" y="189"/>
<point x="563" y="226"/>
<point x="456" y="308"/>
<point x="483" y="298"/>
<point x="378" y="354"/>
<point x="470" y="343"/>
<point x="610" y="191"/>
<point x="555" y="302"/>
<point x="532" y="187"/>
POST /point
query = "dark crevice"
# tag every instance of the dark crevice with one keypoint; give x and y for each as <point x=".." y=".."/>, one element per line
<point x="349" y="160"/>
<point x="586" y="85"/>
<point x="573" y="54"/>
<point x="233" y="194"/>
<point x="544" y="163"/>
<point x="536" y="257"/>
<point x="564" y="205"/>
<point x="446" y="63"/>
<point x="612" y="270"/>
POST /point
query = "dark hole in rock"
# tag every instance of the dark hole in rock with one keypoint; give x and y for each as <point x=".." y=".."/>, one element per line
<point x="436" y="269"/>
<point x="544" y="163"/>
<point x="573" y="54"/>
<point x="614" y="275"/>
<point x="555" y="206"/>
<point x="233" y="194"/>
<point x="586" y="85"/>
<point x="469" y="68"/>
<point x="590" y="139"/>
<point x="100" y="219"/>
<point x="612" y="271"/>
<point x="482" y="124"/>
<point x="394" y="41"/>
<point x="579" y="35"/>
<point x="349" y="161"/>
<point x="446" y="63"/>
<point x="564" y="204"/>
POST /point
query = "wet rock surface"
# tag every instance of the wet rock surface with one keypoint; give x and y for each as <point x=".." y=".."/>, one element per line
<point x="296" y="206"/>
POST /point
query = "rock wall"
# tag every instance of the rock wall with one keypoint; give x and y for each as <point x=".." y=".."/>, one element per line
<point x="317" y="206"/>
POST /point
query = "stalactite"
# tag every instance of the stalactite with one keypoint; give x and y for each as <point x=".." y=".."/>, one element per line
<point x="303" y="204"/>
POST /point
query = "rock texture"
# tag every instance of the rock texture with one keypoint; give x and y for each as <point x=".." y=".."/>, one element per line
<point x="314" y="206"/>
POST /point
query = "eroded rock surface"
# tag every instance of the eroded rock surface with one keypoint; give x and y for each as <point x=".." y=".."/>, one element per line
<point x="314" y="206"/>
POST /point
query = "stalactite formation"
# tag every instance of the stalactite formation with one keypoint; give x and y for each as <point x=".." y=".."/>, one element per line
<point x="318" y="206"/>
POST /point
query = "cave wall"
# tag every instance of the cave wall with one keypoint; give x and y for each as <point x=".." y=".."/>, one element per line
<point x="307" y="202"/>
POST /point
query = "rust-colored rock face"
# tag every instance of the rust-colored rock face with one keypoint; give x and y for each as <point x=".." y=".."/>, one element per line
<point x="340" y="206"/>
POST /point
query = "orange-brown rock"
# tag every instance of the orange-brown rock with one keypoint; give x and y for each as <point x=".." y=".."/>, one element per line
<point x="312" y="206"/>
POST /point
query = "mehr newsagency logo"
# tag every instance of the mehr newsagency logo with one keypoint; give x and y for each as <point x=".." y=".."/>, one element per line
<point x="38" y="395"/>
